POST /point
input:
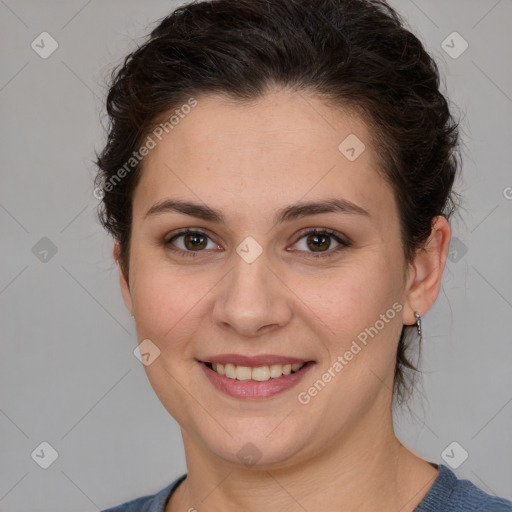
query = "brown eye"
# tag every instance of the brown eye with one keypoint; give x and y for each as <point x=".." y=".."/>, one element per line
<point x="189" y="242"/>
<point x="317" y="243"/>
<point x="194" y="241"/>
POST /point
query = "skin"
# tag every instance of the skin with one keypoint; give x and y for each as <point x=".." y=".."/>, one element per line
<point x="248" y="160"/>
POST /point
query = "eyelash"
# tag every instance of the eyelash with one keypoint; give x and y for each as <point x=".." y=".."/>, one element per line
<point x="316" y="231"/>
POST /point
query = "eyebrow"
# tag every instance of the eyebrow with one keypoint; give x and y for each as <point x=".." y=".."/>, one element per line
<point x="285" y="214"/>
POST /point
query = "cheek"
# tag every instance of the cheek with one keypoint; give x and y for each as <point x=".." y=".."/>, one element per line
<point x="170" y="304"/>
<point x="359" y="308"/>
<point x="351" y="297"/>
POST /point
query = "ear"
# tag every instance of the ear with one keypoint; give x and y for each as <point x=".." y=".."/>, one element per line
<point x="123" y="278"/>
<point x="426" y="271"/>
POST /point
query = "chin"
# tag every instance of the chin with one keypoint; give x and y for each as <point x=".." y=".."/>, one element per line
<point x="250" y="449"/>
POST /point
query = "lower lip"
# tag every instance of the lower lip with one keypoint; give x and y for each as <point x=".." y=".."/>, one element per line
<point x="251" y="389"/>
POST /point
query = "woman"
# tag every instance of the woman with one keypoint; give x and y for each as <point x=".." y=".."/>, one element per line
<point x="278" y="182"/>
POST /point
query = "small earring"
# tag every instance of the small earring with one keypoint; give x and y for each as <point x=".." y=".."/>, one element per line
<point x="418" y="325"/>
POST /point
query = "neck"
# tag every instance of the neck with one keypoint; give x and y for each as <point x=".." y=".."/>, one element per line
<point x="358" y="469"/>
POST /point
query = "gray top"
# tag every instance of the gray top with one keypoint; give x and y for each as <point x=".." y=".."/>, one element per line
<point x="447" y="494"/>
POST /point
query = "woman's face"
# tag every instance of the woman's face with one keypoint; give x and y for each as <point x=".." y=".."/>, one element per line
<point x="258" y="284"/>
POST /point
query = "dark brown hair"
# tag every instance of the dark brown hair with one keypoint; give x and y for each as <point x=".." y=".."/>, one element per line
<point x="356" y="54"/>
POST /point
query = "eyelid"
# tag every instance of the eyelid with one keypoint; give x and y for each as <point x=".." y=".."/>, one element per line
<point x="332" y="232"/>
<point x="186" y="231"/>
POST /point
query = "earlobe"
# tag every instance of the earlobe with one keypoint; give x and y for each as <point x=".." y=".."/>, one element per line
<point x="426" y="272"/>
<point x="123" y="278"/>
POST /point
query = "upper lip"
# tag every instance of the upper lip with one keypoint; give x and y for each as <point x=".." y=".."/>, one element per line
<point x="253" y="361"/>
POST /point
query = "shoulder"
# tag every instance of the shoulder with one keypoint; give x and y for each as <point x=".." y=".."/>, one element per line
<point x="451" y="494"/>
<point x="149" y="503"/>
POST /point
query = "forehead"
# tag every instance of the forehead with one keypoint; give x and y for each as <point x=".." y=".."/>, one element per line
<point x="281" y="148"/>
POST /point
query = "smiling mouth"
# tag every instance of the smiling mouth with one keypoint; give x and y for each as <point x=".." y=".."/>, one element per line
<point x="259" y="373"/>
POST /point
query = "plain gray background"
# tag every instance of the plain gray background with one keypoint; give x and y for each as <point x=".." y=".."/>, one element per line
<point x="68" y="373"/>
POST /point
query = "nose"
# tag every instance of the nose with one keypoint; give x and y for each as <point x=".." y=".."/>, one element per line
<point x="252" y="300"/>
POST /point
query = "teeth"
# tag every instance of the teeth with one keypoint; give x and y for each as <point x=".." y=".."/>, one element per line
<point x="260" y="373"/>
<point x="276" y="370"/>
<point x="230" y="371"/>
<point x="243" y="373"/>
